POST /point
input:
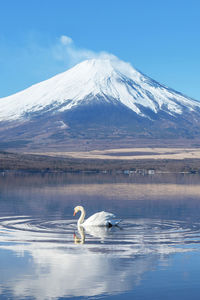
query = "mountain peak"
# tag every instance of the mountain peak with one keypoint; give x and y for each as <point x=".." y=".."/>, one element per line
<point x="107" y="67"/>
<point x="92" y="69"/>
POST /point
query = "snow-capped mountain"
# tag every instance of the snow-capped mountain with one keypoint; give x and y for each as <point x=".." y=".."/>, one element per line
<point x="114" y="81"/>
<point x="98" y="97"/>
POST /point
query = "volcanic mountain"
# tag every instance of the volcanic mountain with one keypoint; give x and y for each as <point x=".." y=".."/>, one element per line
<point x="97" y="99"/>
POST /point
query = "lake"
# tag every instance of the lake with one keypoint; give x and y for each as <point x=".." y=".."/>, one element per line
<point x="153" y="254"/>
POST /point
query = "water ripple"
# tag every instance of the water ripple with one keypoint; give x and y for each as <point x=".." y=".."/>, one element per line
<point x="138" y="235"/>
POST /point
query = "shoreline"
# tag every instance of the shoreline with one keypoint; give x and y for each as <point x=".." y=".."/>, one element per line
<point x="44" y="163"/>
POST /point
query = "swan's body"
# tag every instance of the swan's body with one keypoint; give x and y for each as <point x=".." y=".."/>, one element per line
<point x="99" y="219"/>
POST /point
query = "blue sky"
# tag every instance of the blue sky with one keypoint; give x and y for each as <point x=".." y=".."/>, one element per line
<point x="160" y="38"/>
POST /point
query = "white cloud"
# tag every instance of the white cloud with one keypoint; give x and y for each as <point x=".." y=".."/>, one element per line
<point x="66" y="40"/>
<point x="65" y="50"/>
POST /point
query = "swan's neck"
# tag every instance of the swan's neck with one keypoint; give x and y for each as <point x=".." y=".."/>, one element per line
<point x="82" y="216"/>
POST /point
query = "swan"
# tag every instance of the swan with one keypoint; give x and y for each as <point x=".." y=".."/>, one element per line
<point x="99" y="219"/>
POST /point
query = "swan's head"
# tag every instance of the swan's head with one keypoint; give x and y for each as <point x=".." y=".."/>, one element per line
<point x="77" y="208"/>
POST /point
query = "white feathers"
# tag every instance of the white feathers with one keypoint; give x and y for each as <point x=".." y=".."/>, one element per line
<point x="101" y="219"/>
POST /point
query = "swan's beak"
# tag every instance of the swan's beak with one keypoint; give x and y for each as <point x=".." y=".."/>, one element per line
<point x="74" y="213"/>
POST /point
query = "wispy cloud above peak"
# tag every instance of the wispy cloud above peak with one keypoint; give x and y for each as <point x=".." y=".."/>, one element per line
<point x="66" y="40"/>
<point x="66" y="51"/>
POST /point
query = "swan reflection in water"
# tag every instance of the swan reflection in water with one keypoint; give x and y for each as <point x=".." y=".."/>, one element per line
<point x="81" y="239"/>
<point x="100" y="232"/>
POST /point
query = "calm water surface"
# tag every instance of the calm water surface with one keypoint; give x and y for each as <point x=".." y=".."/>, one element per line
<point x="154" y="254"/>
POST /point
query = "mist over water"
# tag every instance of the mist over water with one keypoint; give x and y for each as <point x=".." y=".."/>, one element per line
<point x="154" y="253"/>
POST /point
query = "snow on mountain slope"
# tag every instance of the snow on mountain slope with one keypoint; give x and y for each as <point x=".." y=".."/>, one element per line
<point x="113" y="80"/>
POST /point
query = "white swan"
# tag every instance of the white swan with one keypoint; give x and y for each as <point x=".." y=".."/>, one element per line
<point x="99" y="219"/>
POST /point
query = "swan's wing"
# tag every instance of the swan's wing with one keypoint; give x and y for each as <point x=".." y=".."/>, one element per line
<point x="99" y="219"/>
